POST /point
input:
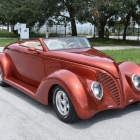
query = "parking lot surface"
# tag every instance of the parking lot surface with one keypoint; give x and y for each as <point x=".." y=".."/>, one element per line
<point x="22" y="118"/>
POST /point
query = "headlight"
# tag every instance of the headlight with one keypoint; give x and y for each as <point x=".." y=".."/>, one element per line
<point x="136" y="81"/>
<point x="97" y="90"/>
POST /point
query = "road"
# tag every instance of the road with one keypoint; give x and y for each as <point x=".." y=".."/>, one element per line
<point x="121" y="37"/>
<point x="22" y="118"/>
<point x="127" y="37"/>
<point x="116" y="47"/>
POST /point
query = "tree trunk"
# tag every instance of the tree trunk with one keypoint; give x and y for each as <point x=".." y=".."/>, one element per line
<point x="8" y="27"/>
<point x="73" y="27"/>
<point x="125" y="26"/>
<point x="124" y="33"/>
<point x="101" y="31"/>
<point x="72" y="20"/>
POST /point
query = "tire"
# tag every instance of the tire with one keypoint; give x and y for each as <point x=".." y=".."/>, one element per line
<point x="2" y="83"/>
<point x="63" y="106"/>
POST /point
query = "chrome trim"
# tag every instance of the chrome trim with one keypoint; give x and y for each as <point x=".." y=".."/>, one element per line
<point x="110" y="106"/>
<point x="130" y="101"/>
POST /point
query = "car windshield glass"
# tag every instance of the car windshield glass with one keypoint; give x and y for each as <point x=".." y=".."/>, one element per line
<point x="66" y="43"/>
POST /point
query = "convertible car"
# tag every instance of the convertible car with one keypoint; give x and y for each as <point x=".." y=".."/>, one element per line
<point x="67" y="71"/>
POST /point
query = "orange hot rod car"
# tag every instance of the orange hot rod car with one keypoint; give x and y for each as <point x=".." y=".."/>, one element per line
<point x="81" y="80"/>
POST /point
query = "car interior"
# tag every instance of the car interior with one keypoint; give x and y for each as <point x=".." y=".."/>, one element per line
<point x="34" y="44"/>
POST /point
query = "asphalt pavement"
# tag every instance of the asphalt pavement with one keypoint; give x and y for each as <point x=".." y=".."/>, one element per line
<point x="22" y="118"/>
<point x="116" y="47"/>
<point x="127" y="37"/>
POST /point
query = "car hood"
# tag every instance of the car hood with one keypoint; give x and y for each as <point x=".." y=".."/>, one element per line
<point x="90" y="57"/>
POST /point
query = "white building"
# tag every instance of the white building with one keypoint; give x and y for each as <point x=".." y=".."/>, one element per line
<point x="4" y="28"/>
<point x="61" y="29"/>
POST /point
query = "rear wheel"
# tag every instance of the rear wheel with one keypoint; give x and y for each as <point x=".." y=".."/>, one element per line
<point x="63" y="105"/>
<point x="2" y="83"/>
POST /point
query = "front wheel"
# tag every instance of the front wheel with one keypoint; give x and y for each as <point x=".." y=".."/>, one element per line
<point x="3" y="84"/>
<point x="63" y="106"/>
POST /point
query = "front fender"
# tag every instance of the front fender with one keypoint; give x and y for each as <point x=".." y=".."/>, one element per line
<point x="127" y="69"/>
<point x="73" y="86"/>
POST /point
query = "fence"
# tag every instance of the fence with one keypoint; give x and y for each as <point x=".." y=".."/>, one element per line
<point x="131" y="33"/>
<point x="92" y="31"/>
<point x="67" y="30"/>
<point x="61" y="29"/>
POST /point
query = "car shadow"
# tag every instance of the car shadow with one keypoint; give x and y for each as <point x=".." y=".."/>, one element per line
<point x="29" y="100"/>
<point x="81" y="124"/>
<point x="106" y="115"/>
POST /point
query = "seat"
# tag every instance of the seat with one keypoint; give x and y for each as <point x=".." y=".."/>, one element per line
<point x="55" y="44"/>
<point x="36" y="45"/>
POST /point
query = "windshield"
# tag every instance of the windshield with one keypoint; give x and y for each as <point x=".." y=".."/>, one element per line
<point x="66" y="43"/>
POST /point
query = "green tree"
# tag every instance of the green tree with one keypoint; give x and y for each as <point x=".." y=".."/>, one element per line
<point x="72" y="11"/>
<point x="130" y="12"/>
<point x="38" y="11"/>
<point x="103" y="10"/>
<point x="27" y="11"/>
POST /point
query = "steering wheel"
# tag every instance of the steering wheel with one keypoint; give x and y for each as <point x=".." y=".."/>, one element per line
<point x="71" y="44"/>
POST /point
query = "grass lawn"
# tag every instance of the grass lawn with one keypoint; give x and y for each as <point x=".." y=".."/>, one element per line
<point x="94" y="41"/>
<point x="132" y="55"/>
<point x="112" y="42"/>
<point x="4" y="42"/>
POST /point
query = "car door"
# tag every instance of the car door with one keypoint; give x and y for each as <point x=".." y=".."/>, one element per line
<point x="29" y="65"/>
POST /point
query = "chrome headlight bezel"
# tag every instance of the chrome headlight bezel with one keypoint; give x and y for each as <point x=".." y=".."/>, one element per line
<point x="134" y="81"/>
<point x="93" y="86"/>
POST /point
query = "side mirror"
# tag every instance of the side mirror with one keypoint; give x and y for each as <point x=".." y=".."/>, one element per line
<point x="31" y="49"/>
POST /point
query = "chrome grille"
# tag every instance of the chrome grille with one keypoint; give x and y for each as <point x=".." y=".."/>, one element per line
<point x="109" y="83"/>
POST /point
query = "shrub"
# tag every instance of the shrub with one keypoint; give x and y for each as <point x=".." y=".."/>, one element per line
<point x="54" y="35"/>
<point x="37" y="35"/>
<point x="4" y="33"/>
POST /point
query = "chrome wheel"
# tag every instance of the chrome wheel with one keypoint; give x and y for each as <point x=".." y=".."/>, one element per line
<point x="63" y="106"/>
<point x="62" y="103"/>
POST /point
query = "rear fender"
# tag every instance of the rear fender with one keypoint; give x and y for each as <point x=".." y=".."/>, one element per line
<point x="73" y="86"/>
<point x="5" y="65"/>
